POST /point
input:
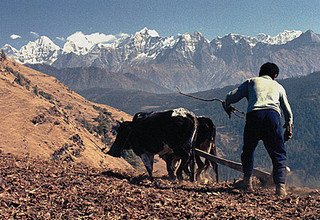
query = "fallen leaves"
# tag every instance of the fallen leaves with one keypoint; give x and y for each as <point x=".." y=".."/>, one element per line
<point x="31" y="188"/>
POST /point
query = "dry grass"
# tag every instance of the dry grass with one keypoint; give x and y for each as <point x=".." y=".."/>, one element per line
<point x="59" y="108"/>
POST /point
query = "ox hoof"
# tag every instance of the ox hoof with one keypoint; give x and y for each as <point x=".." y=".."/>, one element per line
<point x="180" y="178"/>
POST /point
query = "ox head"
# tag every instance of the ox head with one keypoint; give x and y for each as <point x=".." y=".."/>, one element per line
<point x="122" y="139"/>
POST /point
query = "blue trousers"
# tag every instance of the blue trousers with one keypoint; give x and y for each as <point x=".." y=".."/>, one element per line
<point x="264" y="125"/>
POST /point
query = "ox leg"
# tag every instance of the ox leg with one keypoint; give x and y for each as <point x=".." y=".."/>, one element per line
<point x="215" y="169"/>
<point x="214" y="164"/>
<point x="183" y="164"/>
<point x="217" y="172"/>
<point x="171" y="162"/>
<point x="192" y="165"/>
<point x="186" y="160"/>
<point x="200" y="168"/>
<point x="148" y="159"/>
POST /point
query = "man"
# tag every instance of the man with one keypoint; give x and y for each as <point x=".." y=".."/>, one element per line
<point x="266" y="98"/>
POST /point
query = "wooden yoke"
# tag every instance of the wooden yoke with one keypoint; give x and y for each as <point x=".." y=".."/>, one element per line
<point x="262" y="175"/>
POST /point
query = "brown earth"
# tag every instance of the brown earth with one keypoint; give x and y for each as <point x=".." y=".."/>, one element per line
<point x="43" y="189"/>
<point x="41" y="117"/>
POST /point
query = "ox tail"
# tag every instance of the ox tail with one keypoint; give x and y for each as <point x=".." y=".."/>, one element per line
<point x="193" y="145"/>
<point x="213" y="150"/>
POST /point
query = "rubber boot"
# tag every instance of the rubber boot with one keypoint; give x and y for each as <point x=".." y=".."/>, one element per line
<point x="281" y="189"/>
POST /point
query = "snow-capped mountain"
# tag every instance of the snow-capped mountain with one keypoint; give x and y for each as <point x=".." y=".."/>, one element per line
<point x="43" y="50"/>
<point x="9" y="50"/>
<point x="233" y="39"/>
<point x="80" y="44"/>
<point x="144" y="44"/>
<point x="188" y="60"/>
<point x="281" y="38"/>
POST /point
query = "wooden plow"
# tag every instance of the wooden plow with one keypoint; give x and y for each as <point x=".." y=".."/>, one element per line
<point x="264" y="177"/>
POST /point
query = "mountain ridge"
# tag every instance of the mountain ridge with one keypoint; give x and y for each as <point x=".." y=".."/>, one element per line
<point x="188" y="61"/>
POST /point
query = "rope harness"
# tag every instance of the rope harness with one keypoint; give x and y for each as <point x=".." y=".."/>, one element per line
<point x="236" y="112"/>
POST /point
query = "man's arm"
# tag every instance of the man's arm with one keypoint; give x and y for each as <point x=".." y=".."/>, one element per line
<point x="237" y="94"/>
<point x="288" y="116"/>
<point x="285" y="106"/>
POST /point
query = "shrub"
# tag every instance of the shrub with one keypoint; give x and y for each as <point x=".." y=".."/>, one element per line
<point x="36" y="90"/>
<point x="39" y="119"/>
<point x="102" y="110"/>
<point x="2" y="55"/>
<point x="46" y="95"/>
<point x="86" y="124"/>
<point x="68" y="107"/>
<point x="21" y="80"/>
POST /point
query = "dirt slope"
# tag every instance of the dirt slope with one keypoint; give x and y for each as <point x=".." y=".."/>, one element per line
<point x="42" y="118"/>
<point x="37" y="189"/>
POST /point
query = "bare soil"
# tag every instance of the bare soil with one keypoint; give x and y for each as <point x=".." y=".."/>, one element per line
<point x="33" y="188"/>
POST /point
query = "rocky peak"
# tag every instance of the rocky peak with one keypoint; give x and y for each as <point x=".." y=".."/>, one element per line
<point x="42" y="50"/>
<point x="146" y="33"/>
<point x="9" y="50"/>
<point x="279" y="39"/>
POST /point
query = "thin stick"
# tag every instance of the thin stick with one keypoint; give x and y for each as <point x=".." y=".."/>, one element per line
<point x="210" y="100"/>
<point x="206" y="100"/>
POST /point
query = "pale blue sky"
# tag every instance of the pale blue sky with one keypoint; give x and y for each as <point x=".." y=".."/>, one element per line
<point x="57" y="18"/>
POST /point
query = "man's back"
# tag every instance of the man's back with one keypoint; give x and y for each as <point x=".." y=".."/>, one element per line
<point x="264" y="93"/>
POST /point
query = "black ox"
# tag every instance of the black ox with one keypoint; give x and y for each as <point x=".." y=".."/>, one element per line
<point x="205" y="141"/>
<point x="171" y="132"/>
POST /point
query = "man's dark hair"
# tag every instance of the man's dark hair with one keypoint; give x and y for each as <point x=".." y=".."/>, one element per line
<point x="269" y="69"/>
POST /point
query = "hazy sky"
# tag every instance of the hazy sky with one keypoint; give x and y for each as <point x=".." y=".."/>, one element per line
<point x="23" y="20"/>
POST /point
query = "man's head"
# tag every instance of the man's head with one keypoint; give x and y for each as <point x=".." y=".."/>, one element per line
<point x="269" y="69"/>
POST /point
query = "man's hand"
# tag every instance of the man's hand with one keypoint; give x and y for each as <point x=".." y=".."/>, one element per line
<point x="228" y="109"/>
<point x="287" y="133"/>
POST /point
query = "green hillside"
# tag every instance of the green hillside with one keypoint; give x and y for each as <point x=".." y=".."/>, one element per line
<point x="303" y="149"/>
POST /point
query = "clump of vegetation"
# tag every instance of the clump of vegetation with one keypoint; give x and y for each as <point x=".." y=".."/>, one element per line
<point x="2" y="55"/>
<point x="103" y="110"/>
<point x="132" y="159"/>
<point x="69" y="151"/>
<point x="61" y="154"/>
<point x="46" y="95"/>
<point x="36" y="90"/>
<point x="8" y="69"/>
<point x="77" y="140"/>
<point x="87" y="125"/>
<point x="39" y="119"/>
<point x="68" y="107"/>
<point x="39" y="92"/>
<point x="55" y="111"/>
<point x="21" y="79"/>
<point x="104" y="126"/>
